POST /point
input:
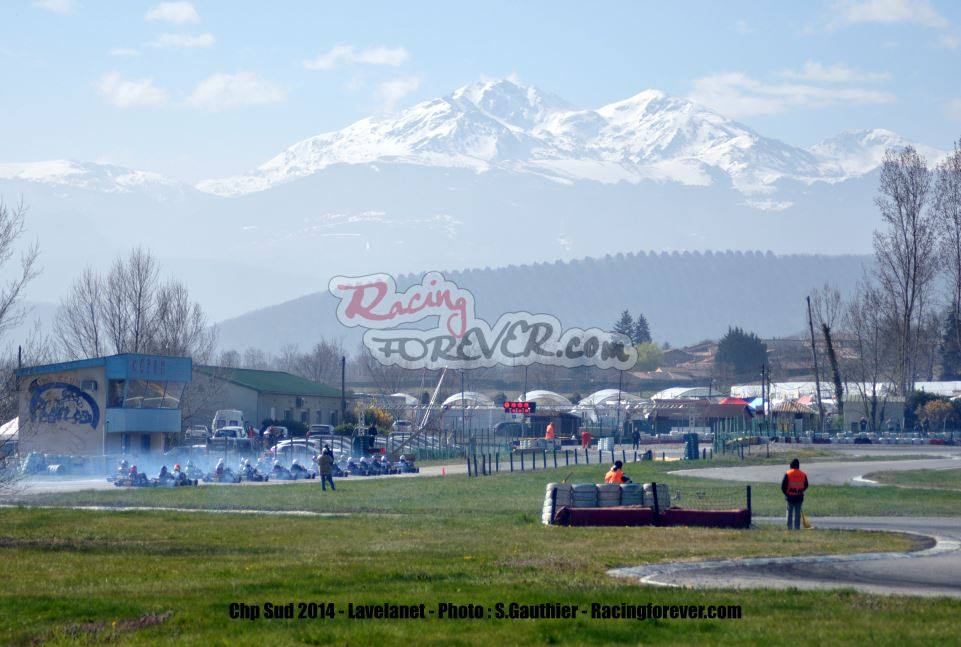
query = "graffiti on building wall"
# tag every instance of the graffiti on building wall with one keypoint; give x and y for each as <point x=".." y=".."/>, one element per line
<point x="57" y="402"/>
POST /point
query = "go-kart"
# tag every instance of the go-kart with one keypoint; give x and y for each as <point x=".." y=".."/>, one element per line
<point x="225" y="476"/>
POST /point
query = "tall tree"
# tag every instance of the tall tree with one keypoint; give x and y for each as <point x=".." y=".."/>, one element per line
<point x="740" y="355"/>
<point x="641" y="333"/>
<point x="947" y="207"/>
<point x="131" y="311"/>
<point x="906" y="253"/>
<point x="625" y="324"/>
<point x="950" y="347"/>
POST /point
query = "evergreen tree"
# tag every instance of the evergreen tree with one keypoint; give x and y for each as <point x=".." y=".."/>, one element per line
<point x="641" y="334"/>
<point x="740" y="354"/>
<point x="950" y="348"/>
<point x="625" y="325"/>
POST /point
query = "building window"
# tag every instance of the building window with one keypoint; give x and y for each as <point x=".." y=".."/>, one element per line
<point x="305" y="416"/>
<point x="288" y="415"/>
<point x="320" y="416"/>
<point x="115" y="393"/>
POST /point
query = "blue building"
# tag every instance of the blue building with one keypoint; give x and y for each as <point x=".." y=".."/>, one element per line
<point x="104" y="405"/>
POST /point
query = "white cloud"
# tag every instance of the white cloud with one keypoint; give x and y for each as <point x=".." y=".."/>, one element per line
<point x="837" y="73"/>
<point x="949" y="41"/>
<point x="348" y="54"/>
<point x="174" y="12"/>
<point x="735" y="94"/>
<point x="184" y="41"/>
<point x="952" y="108"/>
<point x="124" y="51"/>
<point x="56" y="6"/>
<point x="851" y="12"/>
<point x="389" y="93"/>
<point x="130" y="93"/>
<point x="225" y="91"/>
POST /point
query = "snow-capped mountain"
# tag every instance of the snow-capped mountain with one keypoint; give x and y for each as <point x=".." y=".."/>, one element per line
<point x="493" y="174"/>
<point x="104" y="178"/>
<point x="505" y="125"/>
<point x="855" y="152"/>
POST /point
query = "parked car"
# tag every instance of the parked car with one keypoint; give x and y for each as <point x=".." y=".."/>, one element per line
<point x="320" y="430"/>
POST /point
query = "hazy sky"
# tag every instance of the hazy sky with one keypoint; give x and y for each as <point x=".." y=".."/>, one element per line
<point x="205" y="89"/>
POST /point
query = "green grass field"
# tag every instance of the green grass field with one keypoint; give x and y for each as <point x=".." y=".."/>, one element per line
<point x="930" y="479"/>
<point x="140" y="577"/>
<point x="520" y="492"/>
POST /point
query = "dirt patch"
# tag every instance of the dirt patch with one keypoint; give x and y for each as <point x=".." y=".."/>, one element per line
<point x="103" y="632"/>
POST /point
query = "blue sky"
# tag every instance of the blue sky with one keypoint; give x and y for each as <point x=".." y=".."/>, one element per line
<point x="206" y="89"/>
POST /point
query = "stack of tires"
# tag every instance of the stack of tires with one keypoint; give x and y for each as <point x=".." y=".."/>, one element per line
<point x="563" y="499"/>
<point x="608" y="495"/>
<point x="584" y="495"/>
<point x="632" y="494"/>
<point x="663" y="496"/>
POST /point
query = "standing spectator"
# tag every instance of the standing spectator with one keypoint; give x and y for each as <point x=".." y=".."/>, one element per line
<point x="325" y="467"/>
<point x="793" y="485"/>
<point x="863" y="424"/>
<point x="636" y="438"/>
<point x="585" y="439"/>
<point x="549" y="434"/>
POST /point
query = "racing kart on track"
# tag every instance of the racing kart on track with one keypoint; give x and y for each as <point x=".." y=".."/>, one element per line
<point x="225" y="476"/>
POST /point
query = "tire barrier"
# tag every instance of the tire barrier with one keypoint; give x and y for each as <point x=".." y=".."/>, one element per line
<point x="610" y="504"/>
<point x="632" y="494"/>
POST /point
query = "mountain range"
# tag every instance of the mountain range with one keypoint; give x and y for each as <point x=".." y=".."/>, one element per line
<point x="493" y="174"/>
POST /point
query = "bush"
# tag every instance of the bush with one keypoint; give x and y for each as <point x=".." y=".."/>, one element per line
<point x="344" y="429"/>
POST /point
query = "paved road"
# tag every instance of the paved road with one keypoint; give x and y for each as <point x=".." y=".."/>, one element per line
<point x="935" y="571"/>
<point x="828" y="472"/>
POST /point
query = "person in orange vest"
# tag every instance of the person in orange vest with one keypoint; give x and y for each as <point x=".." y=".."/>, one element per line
<point x="793" y="485"/>
<point x="549" y="434"/>
<point x="585" y="439"/>
<point x="616" y="474"/>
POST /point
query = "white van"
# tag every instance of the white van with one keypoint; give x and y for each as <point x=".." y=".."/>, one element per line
<point x="227" y="418"/>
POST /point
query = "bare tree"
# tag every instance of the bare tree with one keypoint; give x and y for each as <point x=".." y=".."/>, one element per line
<point x="256" y="358"/>
<point x="131" y="311"/>
<point x="21" y="272"/>
<point x="827" y="306"/>
<point x="12" y="229"/>
<point x="947" y="207"/>
<point x="870" y="366"/>
<point x="78" y="323"/>
<point x="905" y="251"/>
<point x="180" y="325"/>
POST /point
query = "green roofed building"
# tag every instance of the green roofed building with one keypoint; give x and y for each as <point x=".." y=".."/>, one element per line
<point x="260" y="395"/>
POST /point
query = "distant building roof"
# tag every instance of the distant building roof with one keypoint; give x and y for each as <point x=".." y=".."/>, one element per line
<point x="676" y="392"/>
<point x="270" y="381"/>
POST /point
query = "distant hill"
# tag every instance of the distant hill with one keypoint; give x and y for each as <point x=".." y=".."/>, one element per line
<point x="686" y="296"/>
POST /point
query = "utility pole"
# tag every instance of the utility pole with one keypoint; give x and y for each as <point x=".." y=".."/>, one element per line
<point x="525" y="381"/>
<point x="817" y="373"/>
<point x="343" y="389"/>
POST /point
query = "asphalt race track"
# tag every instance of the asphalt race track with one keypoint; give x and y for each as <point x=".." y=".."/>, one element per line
<point x="838" y="472"/>
<point x="933" y="571"/>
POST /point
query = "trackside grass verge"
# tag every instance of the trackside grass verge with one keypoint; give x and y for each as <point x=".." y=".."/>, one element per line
<point x="149" y="577"/>
<point x="501" y="494"/>
<point x="932" y="479"/>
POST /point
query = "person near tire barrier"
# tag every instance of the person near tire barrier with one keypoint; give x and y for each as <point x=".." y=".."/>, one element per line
<point x="549" y="433"/>
<point x="793" y="485"/>
<point x="616" y="474"/>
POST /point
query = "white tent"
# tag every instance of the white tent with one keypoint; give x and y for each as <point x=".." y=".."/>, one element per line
<point x="610" y="398"/>
<point x="546" y="398"/>
<point x="406" y="400"/>
<point x="677" y="392"/>
<point x="10" y="430"/>
<point x="468" y="399"/>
